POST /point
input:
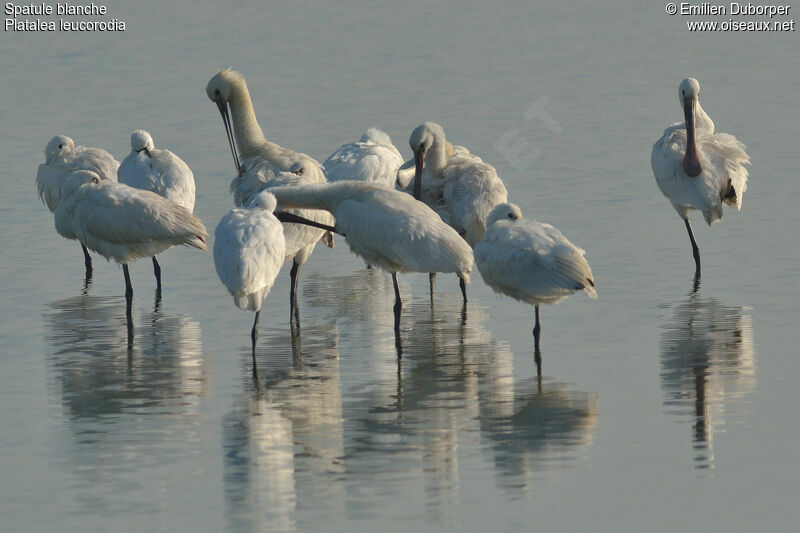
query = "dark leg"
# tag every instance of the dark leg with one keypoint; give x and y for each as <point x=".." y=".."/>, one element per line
<point x="537" y="356"/>
<point x="128" y="286"/>
<point x="398" y="304"/>
<point x="87" y="261"/>
<point x="695" y="249"/>
<point x="537" y="329"/>
<point x="253" y="337"/>
<point x="463" y="285"/>
<point x="157" y="272"/>
<point x="293" y="285"/>
<point x="432" y="281"/>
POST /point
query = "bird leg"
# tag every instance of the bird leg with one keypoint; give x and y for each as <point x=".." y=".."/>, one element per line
<point x="695" y="249"/>
<point x="537" y="328"/>
<point x="398" y="304"/>
<point x="157" y="272"/>
<point x="537" y="357"/>
<point x="253" y="337"/>
<point x="87" y="261"/>
<point x="463" y="285"/>
<point x="432" y="281"/>
<point x="293" y="286"/>
<point x="128" y="286"/>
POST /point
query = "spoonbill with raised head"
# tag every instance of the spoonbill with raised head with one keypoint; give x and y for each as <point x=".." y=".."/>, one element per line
<point x="62" y="157"/>
<point x="696" y="168"/>
<point x="160" y="171"/>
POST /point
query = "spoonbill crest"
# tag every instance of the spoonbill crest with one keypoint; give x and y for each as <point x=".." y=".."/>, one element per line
<point x="62" y="157"/>
<point x="123" y="223"/>
<point x="160" y="171"/>
<point x="696" y="168"/>
<point x="249" y="248"/>
<point x="530" y="262"/>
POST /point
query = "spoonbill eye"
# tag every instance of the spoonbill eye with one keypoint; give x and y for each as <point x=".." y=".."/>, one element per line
<point x="61" y="146"/>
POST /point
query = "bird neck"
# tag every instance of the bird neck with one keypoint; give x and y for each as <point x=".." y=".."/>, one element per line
<point x="436" y="157"/>
<point x="703" y="122"/>
<point x="245" y="125"/>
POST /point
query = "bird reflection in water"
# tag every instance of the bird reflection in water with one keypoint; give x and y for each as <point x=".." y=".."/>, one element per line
<point x="707" y="365"/>
<point x="283" y="440"/>
<point x="129" y="407"/>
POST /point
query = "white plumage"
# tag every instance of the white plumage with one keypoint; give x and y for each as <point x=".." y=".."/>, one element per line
<point x="696" y="168"/>
<point x="530" y="261"/>
<point x="62" y="157"/>
<point x="386" y="228"/>
<point x="373" y="158"/>
<point x="263" y="160"/>
<point x="123" y="223"/>
<point x="456" y="184"/>
<point x="160" y="171"/>
<point x="248" y="253"/>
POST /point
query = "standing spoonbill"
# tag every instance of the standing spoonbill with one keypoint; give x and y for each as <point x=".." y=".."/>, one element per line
<point x="123" y="223"/>
<point x="249" y="248"/>
<point x="696" y="168"/>
<point x="160" y="171"/>
<point x="531" y="262"/>
<point x="373" y="158"/>
<point x="62" y="157"/>
<point x="459" y="186"/>
<point x="228" y="89"/>
<point x="387" y="228"/>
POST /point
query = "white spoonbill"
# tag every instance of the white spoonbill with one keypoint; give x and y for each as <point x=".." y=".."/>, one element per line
<point x="61" y="158"/>
<point x="248" y="253"/>
<point x="459" y="186"/>
<point x="228" y="89"/>
<point x="160" y="171"/>
<point x="386" y="228"/>
<point x="373" y="158"/>
<point x="531" y="262"/>
<point x="696" y="168"/>
<point x="123" y="223"/>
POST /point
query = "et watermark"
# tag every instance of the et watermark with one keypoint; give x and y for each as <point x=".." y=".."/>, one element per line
<point x="771" y="17"/>
<point x="60" y="16"/>
<point x="516" y="147"/>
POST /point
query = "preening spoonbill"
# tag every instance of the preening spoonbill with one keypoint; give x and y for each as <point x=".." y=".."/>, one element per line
<point x="160" y="171"/>
<point x="249" y="248"/>
<point x="123" y="223"/>
<point x="386" y="228"/>
<point x="531" y="262"/>
<point x="373" y="158"/>
<point x="228" y="89"/>
<point x="61" y="158"/>
<point x="696" y="168"/>
<point x="459" y="186"/>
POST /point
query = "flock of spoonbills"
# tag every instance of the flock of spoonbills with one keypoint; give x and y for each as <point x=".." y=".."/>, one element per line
<point x="440" y="211"/>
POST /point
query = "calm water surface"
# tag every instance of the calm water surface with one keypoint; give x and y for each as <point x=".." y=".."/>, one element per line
<point x="663" y="405"/>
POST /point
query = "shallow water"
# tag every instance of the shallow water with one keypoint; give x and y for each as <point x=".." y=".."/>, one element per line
<point x="662" y="405"/>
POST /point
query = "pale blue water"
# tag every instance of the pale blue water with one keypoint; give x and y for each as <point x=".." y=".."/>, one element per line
<point x="659" y="409"/>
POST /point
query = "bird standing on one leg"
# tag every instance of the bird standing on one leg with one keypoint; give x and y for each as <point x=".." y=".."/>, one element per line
<point x="696" y="168"/>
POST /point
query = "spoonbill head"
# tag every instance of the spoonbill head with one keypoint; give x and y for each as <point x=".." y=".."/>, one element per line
<point x="689" y="92"/>
<point x="141" y="140"/>
<point x="220" y="89"/>
<point x="58" y="145"/>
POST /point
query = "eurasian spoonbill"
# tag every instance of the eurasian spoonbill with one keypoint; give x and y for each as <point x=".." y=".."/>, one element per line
<point x="696" y="168"/>
<point x="228" y="89"/>
<point x="373" y="158"/>
<point x="61" y="158"/>
<point x="123" y="223"/>
<point x="160" y="171"/>
<point x="459" y="186"/>
<point x="530" y="262"/>
<point x="386" y="228"/>
<point x="249" y="248"/>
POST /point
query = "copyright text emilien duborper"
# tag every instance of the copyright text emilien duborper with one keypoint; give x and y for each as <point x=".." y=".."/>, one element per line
<point x="749" y="16"/>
